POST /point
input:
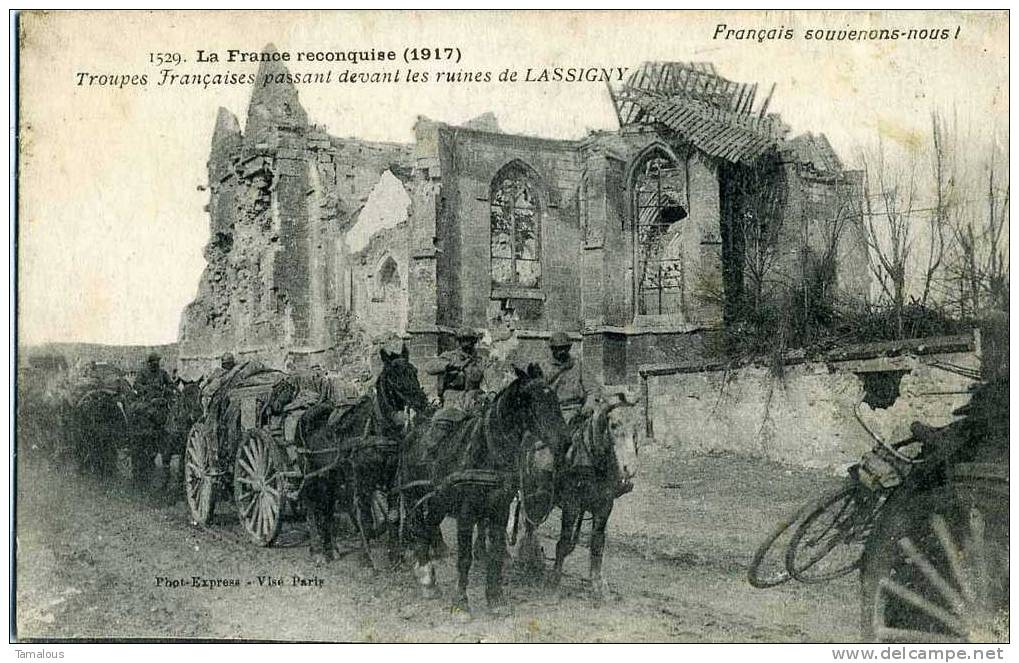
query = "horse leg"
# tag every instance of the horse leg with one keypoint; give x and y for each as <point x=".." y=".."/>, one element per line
<point x="359" y="521"/>
<point x="141" y="461"/>
<point x="319" y="505"/>
<point x="394" y="535"/>
<point x="328" y="524"/>
<point x="481" y="542"/>
<point x="424" y="567"/>
<point x="106" y="458"/>
<point x="465" y="522"/>
<point x="599" y="523"/>
<point x="572" y="516"/>
<point x="438" y="546"/>
<point x="358" y="500"/>
<point x="497" y="516"/>
<point x="530" y="554"/>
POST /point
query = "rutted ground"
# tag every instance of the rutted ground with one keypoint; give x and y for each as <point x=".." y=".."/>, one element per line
<point x="88" y="557"/>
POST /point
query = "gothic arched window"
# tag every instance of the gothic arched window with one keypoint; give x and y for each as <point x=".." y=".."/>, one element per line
<point x="387" y="285"/>
<point x="659" y="205"/>
<point x="516" y="229"/>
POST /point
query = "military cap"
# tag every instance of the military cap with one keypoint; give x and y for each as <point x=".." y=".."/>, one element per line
<point x="154" y="356"/>
<point x="559" y="340"/>
<point x="467" y="332"/>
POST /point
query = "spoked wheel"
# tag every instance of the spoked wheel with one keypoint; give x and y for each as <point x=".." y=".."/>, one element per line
<point x="260" y="487"/>
<point x="829" y="542"/>
<point x="200" y="473"/>
<point x="767" y="569"/>
<point x="937" y="569"/>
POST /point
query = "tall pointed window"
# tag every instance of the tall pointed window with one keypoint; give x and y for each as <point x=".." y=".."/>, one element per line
<point x="516" y="229"/>
<point x="660" y="205"/>
<point x="387" y="283"/>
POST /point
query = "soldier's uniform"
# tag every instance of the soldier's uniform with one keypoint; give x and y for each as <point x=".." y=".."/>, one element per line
<point x="566" y="377"/>
<point x="153" y="383"/>
<point x="227" y="369"/>
<point x="460" y="374"/>
<point x="578" y="399"/>
<point x="149" y="410"/>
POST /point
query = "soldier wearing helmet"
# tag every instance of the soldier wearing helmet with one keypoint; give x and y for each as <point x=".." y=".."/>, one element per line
<point x="153" y="383"/>
<point x="566" y="377"/>
<point x="460" y="372"/>
<point x="227" y="369"/>
<point x="578" y="399"/>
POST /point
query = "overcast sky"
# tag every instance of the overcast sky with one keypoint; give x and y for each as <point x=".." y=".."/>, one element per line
<point x="111" y="221"/>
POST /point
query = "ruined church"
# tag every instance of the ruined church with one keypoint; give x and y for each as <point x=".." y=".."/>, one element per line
<point x="631" y="241"/>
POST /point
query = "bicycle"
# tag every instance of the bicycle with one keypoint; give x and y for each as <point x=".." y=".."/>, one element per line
<point x="834" y="527"/>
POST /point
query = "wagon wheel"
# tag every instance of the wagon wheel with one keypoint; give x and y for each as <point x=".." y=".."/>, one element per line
<point x="829" y="541"/>
<point x="200" y="473"/>
<point x="937" y="570"/>
<point x="260" y="487"/>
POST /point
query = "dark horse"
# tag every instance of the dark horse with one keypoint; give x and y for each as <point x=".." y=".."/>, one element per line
<point x="185" y="410"/>
<point x="160" y="428"/>
<point x="352" y="452"/>
<point x="587" y="481"/>
<point x="471" y="474"/>
<point x="97" y="427"/>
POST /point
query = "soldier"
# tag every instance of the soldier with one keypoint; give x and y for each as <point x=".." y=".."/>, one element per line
<point x="153" y="382"/>
<point x="217" y="378"/>
<point x="155" y="392"/>
<point x="981" y="435"/>
<point x="566" y="377"/>
<point x="579" y="397"/>
<point x="460" y="372"/>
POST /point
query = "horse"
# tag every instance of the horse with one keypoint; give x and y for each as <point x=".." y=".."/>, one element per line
<point x="356" y="448"/>
<point x="471" y="474"/>
<point x="159" y="427"/>
<point x="185" y="410"/>
<point x="97" y="425"/>
<point x="586" y="481"/>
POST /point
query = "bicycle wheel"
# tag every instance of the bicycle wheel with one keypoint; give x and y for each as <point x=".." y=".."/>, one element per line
<point x="829" y="541"/>
<point x="767" y="569"/>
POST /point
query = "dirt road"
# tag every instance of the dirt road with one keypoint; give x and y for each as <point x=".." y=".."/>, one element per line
<point x="95" y="561"/>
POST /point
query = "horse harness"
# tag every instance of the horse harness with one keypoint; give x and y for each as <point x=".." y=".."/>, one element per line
<point x="369" y="439"/>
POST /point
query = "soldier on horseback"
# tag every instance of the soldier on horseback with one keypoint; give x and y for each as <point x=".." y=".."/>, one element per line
<point x="154" y="393"/>
<point x="217" y="378"/>
<point x="460" y="373"/>
<point x="578" y="400"/>
<point x="566" y="377"/>
<point x="153" y="382"/>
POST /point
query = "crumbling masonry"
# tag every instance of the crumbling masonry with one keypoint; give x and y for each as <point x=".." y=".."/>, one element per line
<point x="321" y="247"/>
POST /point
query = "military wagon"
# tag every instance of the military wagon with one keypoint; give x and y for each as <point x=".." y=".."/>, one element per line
<point x="243" y="449"/>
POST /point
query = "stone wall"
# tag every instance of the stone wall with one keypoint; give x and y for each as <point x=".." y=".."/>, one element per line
<point x="805" y="417"/>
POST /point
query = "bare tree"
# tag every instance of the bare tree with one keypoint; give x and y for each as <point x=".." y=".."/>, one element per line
<point x="939" y="218"/>
<point x="979" y="264"/>
<point x="888" y="200"/>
